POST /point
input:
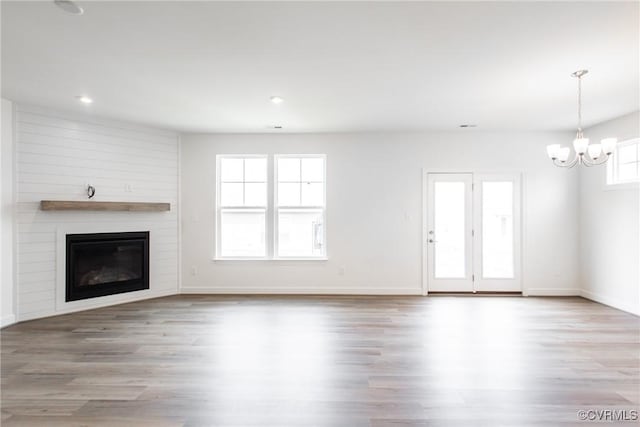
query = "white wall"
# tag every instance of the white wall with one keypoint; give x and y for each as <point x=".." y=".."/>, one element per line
<point x="374" y="210"/>
<point x="7" y="285"/>
<point x="57" y="154"/>
<point x="610" y="228"/>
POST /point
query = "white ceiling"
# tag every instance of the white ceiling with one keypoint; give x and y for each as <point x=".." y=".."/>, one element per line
<point x="212" y="66"/>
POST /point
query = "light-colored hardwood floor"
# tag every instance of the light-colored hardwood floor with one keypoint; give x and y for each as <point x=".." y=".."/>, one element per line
<point x="323" y="361"/>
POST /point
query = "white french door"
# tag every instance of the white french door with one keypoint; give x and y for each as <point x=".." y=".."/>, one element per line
<point x="473" y="224"/>
<point x="449" y="232"/>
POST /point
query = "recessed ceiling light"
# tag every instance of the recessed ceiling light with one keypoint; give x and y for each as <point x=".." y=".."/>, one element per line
<point x="468" y="126"/>
<point x="84" y="99"/>
<point x="277" y="100"/>
<point x="69" y="7"/>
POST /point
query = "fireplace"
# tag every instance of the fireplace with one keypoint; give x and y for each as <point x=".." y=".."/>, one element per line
<point x="102" y="264"/>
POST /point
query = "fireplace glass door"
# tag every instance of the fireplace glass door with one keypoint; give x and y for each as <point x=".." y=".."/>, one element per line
<point x="106" y="263"/>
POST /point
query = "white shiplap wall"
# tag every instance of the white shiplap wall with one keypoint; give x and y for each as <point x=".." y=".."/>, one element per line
<point x="57" y="155"/>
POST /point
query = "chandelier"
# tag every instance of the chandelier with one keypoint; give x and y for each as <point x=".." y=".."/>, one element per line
<point x="585" y="153"/>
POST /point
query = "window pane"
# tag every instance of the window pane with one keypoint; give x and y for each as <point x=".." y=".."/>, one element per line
<point x="449" y="229"/>
<point x="627" y="153"/>
<point x="288" y="169"/>
<point x="242" y="233"/>
<point x="312" y="194"/>
<point x="627" y="172"/>
<point x="300" y="233"/>
<point x="313" y="169"/>
<point x="626" y="163"/>
<point x="255" y="170"/>
<point x="288" y="194"/>
<point x="231" y="194"/>
<point x="497" y="230"/>
<point x="255" y="194"/>
<point x="231" y="170"/>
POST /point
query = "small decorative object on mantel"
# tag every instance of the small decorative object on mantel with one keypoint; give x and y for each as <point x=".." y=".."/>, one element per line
<point x="75" y="205"/>
<point x="91" y="191"/>
<point x="585" y="154"/>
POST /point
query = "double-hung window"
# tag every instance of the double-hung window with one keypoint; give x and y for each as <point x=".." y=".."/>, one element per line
<point x="262" y="218"/>
<point x="300" y="206"/>
<point x="624" y="166"/>
<point x="242" y="207"/>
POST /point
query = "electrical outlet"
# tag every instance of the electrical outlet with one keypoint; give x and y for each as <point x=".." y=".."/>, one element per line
<point x="341" y="271"/>
<point x="194" y="270"/>
<point x="127" y="188"/>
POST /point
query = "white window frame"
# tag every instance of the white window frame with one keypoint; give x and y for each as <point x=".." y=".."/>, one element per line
<point x="612" y="168"/>
<point x="276" y="207"/>
<point x="219" y="208"/>
<point x="271" y="219"/>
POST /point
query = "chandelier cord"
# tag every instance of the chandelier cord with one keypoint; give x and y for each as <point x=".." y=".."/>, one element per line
<point x="579" y="106"/>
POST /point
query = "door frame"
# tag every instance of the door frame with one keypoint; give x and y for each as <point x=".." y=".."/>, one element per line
<point x="425" y="215"/>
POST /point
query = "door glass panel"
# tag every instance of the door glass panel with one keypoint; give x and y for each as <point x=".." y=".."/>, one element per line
<point x="449" y="230"/>
<point x="497" y="230"/>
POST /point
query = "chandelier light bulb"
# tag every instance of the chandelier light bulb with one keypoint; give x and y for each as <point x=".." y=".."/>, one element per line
<point x="608" y="145"/>
<point x="580" y="145"/>
<point x="563" y="154"/>
<point x="552" y="151"/>
<point x="594" y="151"/>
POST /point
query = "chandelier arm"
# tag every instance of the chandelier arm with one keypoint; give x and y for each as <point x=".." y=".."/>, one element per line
<point x="574" y="162"/>
<point x="601" y="161"/>
<point x="568" y="165"/>
<point x="589" y="163"/>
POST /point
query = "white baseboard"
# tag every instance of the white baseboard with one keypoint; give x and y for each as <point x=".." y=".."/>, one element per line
<point x="100" y="303"/>
<point x="300" y="291"/>
<point x="620" y="305"/>
<point x="7" y="320"/>
<point x="552" y="292"/>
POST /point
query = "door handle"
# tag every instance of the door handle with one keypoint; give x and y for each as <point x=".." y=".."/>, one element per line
<point x="432" y="241"/>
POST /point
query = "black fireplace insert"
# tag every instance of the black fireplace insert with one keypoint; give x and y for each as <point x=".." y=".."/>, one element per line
<point x="106" y="263"/>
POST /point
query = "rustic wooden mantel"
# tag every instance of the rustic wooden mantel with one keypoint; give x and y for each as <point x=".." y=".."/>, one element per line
<point x="74" y="205"/>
